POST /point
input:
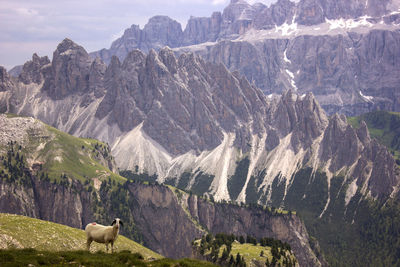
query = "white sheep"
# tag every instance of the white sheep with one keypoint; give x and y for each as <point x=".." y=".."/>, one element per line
<point x="103" y="234"/>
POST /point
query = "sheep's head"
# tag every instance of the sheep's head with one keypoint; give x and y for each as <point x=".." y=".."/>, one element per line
<point x="117" y="222"/>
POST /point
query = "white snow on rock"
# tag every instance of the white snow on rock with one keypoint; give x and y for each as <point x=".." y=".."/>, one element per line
<point x="285" y="57"/>
<point x="366" y="98"/>
<point x="287" y="29"/>
<point x="349" y="23"/>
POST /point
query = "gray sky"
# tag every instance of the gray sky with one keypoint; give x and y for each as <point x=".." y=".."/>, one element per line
<point x="29" y="26"/>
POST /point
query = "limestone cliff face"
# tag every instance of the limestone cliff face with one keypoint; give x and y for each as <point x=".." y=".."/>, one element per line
<point x="348" y="73"/>
<point x="47" y="201"/>
<point x="225" y="218"/>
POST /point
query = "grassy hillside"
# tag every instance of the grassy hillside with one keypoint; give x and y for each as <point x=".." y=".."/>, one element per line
<point x="384" y="126"/>
<point x="32" y="257"/>
<point x="24" y="232"/>
<point x="51" y="153"/>
<point x="25" y="241"/>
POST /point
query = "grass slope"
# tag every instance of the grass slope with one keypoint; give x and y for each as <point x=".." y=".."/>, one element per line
<point x="384" y="126"/>
<point x="32" y="257"/>
<point x="23" y="232"/>
<point x="60" y="155"/>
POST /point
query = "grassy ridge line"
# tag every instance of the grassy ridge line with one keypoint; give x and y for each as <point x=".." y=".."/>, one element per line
<point x="76" y="157"/>
<point x="59" y="154"/>
<point x="23" y="232"/>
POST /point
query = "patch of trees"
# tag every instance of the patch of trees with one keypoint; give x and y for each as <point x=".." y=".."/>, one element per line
<point x="135" y="176"/>
<point x="210" y="247"/>
<point x="13" y="167"/>
<point x="104" y="150"/>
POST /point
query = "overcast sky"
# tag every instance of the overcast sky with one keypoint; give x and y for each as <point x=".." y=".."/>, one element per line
<point x="29" y="26"/>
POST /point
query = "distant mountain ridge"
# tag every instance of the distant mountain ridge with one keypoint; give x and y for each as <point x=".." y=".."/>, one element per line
<point x="345" y="52"/>
<point x="236" y="19"/>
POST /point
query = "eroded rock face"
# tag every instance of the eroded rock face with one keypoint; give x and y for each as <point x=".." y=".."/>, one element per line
<point x="48" y="201"/>
<point x="5" y="80"/>
<point x="32" y="70"/>
<point x="72" y="59"/>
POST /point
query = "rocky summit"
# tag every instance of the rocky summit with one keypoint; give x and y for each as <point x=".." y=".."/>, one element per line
<point x="197" y="125"/>
<point x="345" y="52"/>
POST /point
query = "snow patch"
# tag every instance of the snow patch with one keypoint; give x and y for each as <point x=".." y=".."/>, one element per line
<point x="285" y="58"/>
<point x="287" y="29"/>
<point x="367" y="98"/>
<point x="67" y="52"/>
<point x="292" y="82"/>
<point x="349" y="23"/>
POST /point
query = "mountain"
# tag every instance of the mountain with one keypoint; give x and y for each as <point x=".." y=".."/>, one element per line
<point x="345" y="52"/>
<point x="196" y="124"/>
<point x="63" y="238"/>
<point x="52" y="176"/>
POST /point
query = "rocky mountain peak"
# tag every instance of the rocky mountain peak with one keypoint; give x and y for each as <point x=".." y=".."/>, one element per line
<point x="134" y="59"/>
<point x="69" y="71"/>
<point x="163" y="31"/>
<point x="32" y="70"/>
<point x="363" y="133"/>
<point x="66" y="45"/>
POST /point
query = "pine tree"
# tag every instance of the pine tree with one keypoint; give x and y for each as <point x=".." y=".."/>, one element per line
<point x="225" y="255"/>
<point x="231" y="260"/>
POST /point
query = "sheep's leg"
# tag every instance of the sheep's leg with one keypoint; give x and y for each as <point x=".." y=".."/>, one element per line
<point x="112" y="246"/>
<point x="88" y="242"/>
<point x="107" y="247"/>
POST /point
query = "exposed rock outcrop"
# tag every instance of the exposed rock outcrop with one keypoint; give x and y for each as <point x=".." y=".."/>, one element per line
<point x="32" y="70"/>
<point x="72" y="59"/>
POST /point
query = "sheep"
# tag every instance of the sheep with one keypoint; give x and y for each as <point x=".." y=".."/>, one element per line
<point x="103" y="234"/>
